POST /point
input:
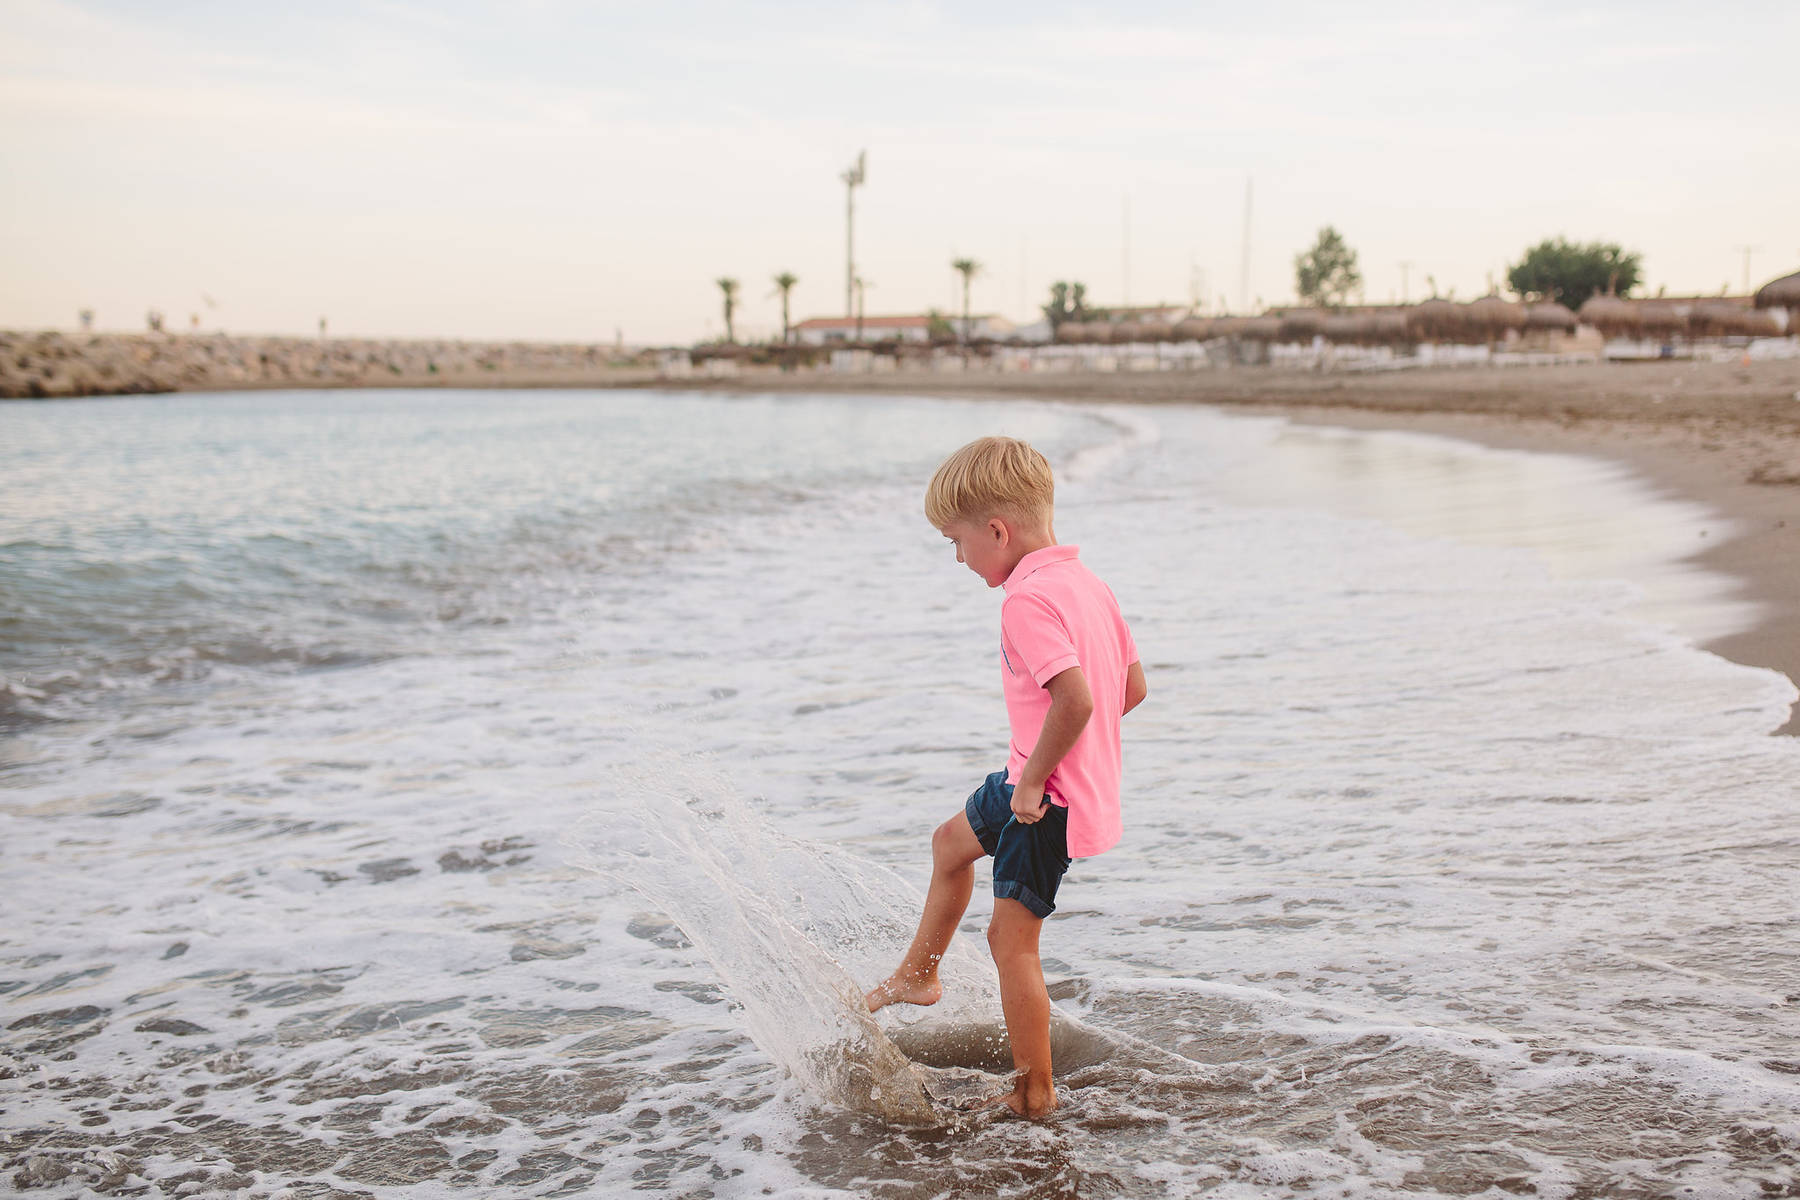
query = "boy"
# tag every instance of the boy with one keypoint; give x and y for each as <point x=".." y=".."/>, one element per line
<point x="1070" y="672"/>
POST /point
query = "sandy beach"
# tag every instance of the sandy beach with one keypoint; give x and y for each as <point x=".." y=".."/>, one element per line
<point x="1724" y="434"/>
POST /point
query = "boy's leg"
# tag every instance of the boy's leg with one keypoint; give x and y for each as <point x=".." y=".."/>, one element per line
<point x="954" y="850"/>
<point x="1013" y="938"/>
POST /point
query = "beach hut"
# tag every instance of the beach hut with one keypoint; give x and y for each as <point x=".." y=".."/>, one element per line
<point x="1612" y="316"/>
<point x="1193" y="329"/>
<point x="1550" y="315"/>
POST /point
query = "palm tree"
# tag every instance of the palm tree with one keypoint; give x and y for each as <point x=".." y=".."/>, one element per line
<point x="784" y="283"/>
<point x="729" y="286"/>
<point x="968" y="268"/>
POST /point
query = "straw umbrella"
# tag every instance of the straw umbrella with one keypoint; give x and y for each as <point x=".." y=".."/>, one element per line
<point x="1072" y="333"/>
<point x="1194" y="329"/>
<point x="1494" y="316"/>
<point x="1658" y="318"/>
<point x="1780" y="293"/>
<point x="1126" y="332"/>
<point x="1550" y="315"/>
<point x="1389" y="328"/>
<point x="1302" y="324"/>
<point x="1348" y="330"/>
<point x="1753" y="323"/>
<point x="1155" y="331"/>
<point x="1714" y="318"/>
<point x="1437" y="320"/>
<point x="1262" y="329"/>
<point x="1612" y="316"/>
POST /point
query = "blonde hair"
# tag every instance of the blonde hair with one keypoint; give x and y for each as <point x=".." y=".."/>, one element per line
<point x="991" y="476"/>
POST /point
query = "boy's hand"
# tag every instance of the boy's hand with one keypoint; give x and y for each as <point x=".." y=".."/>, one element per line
<point x="1028" y="803"/>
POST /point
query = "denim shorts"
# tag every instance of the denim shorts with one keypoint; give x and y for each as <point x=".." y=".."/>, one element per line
<point x="1029" y="860"/>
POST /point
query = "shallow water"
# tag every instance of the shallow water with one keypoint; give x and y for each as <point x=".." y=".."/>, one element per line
<point x="504" y="793"/>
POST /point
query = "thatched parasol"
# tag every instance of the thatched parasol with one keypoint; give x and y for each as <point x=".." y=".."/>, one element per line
<point x="1780" y="293"/>
<point x="1302" y="324"/>
<point x="1230" y="327"/>
<point x="1714" y="318"/>
<point x="1493" y="316"/>
<point x="1155" y="331"/>
<point x="1752" y="323"/>
<point x="1659" y="318"/>
<point x="1437" y="320"/>
<point x="1126" y="332"/>
<point x="1262" y="329"/>
<point x="1072" y="333"/>
<point x="1610" y="315"/>
<point x="1389" y="328"/>
<point x="1193" y="329"/>
<point x="1549" y="315"/>
<point x="1348" y="330"/>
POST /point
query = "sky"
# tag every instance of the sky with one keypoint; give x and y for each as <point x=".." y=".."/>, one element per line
<point x="563" y="171"/>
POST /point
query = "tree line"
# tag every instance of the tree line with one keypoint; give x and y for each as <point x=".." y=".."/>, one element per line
<point x="1326" y="275"/>
<point x="1556" y="269"/>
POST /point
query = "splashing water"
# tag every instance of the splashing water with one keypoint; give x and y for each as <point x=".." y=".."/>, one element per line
<point x="790" y="925"/>
<point x="763" y="908"/>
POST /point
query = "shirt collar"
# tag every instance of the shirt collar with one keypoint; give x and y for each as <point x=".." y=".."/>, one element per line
<point x="1037" y="560"/>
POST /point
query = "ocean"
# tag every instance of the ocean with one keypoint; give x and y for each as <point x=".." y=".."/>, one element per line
<point x="499" y="793"/>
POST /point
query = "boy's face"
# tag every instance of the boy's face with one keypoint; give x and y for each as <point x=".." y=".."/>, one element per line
<point x="982" y="547"/>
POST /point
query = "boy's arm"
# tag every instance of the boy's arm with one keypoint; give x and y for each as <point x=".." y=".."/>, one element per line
<point x="1135" y="687"/>
<point x="1071" y="704"/>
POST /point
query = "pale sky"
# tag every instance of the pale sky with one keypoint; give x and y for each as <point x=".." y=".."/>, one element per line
<point x="552" y="170"/>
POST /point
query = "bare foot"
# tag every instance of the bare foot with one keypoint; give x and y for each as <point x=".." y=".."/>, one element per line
<point x="898" y="989"/>
<point x="1032" y="1103"/>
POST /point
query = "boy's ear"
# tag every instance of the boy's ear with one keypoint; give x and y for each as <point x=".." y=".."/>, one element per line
<point x="1001" y="531"/>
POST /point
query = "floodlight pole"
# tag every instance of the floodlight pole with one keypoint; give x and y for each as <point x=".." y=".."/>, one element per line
<point x="853" y="179"/>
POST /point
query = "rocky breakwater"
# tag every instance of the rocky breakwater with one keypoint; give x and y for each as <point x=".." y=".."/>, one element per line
<point x="52" y="364"/>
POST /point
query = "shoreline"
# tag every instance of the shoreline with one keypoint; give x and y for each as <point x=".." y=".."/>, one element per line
<point x="1725" y="435"/>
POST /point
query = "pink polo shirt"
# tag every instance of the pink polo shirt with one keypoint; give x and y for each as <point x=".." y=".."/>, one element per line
<point x="1056" y="615"/>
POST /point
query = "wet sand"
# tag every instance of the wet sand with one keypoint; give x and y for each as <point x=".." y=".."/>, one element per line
<point x="1726" y="435"/>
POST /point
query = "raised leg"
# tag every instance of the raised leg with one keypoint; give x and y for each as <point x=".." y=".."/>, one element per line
<point x="954" y="851"/>
<point x="1013" y="938"/>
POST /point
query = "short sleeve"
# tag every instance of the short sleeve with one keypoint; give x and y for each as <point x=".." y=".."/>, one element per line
<point x="1127" y="644"/>
<point x="1036" y="631"/>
